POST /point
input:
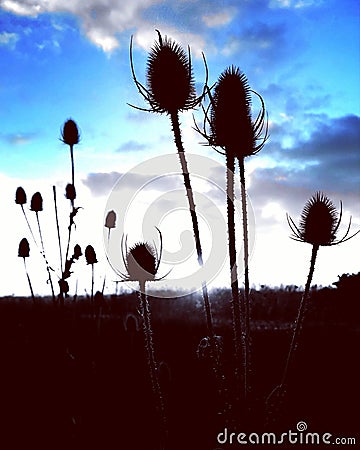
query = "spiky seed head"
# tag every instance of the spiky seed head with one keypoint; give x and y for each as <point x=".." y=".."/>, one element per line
<point x="90" y="255"/>
<point x="20" y="196"/>
<point x="70" y="192"/>
<point x="230" y="114"/>
<point x="318" y="221"/>
<point x="70" y="133"/>
<point x="77" y="251"/>
<point x="110" y="221"/>
<point x="169" y="77"/>
<point x="141" y="262"/>
<point x="36" y="203"/>
<point x="24" y="248"/>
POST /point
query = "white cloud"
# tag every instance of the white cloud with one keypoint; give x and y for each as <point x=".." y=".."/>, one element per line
<point x="218" y="19"/>
<point x="103" y="20"/>
<point x="292" y="3"/>
<point x="8" y="39"/>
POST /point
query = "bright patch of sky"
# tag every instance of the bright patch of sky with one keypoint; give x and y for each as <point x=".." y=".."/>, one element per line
<point x="63" y="59"/>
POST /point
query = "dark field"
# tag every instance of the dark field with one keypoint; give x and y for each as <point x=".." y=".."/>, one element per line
<point x="72" y="382"/>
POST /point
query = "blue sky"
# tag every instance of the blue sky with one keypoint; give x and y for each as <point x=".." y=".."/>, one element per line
<point x="62" y="59"/>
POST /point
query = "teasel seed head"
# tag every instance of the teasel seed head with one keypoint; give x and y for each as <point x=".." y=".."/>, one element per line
<point x="36" y="203"/>
<point x="70" y="192"/>
<point x="90" y="255"/>
<point x="70" y="133"/>
<point x="319" y="222"/>
<point x="20" y="196"/>
<point x="169" y="78"/>
<point x="110" y="221"/>
<point x="141" y="262"/>
<point x="229" y="116"/>
<point x="77" y="252"/>
<point x="24" y="248"/>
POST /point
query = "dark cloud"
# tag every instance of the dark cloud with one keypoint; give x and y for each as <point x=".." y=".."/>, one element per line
<point x="131" y="146"/>
<point x="101" y="183"/>
<point x="329" y="161"/>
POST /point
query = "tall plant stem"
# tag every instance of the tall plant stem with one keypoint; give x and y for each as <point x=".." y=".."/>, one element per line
<point x="150" y="353"/>
<point x="92" y="291"/>
<point x="44" y="256"/>
<point x="275" y="399"/>
<point x="57" y="228"/>
<point x="174" y="116"/>
<point x="235" y="303"/>
<point x="30" y="285"/>
<point x="72" y="169"/>
<point x="300" y="317"/>
<point x="28" y="224"/>
<point x="246" y="303"/>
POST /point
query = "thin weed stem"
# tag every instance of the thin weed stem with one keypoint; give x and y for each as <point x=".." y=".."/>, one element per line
<point x="152" y="364"/>
<point x="44" y="256"/>
<point x="29" y="281"/>
<point x="246" y="302"/>
<point x="58" y="228"/>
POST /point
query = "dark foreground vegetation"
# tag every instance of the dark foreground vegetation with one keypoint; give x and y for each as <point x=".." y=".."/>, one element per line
<point x="72" y="381"/>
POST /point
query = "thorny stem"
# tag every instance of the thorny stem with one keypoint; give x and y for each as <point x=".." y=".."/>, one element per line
<point x="92" y="291"/>
<point x="72" y="169"/>
<point x="149" y="346"/>
<point x="276" y="397"/>
<point x="28" y="278"/>
<point x="300" y="317"/>
<point x="57" y="227"/>
<point x="235" y="304"/>
<point x="246" y="302"/>
<point x="28" y="224"/>
<point x="44" y="256"/>
<point x="108" y="240"/>
<point x="179" y="145"/>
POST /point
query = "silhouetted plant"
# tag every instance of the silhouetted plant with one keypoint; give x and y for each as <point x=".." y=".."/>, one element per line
<point x="231" y="127"/>
<point x="110" y="223"/>
<point x="142" y="262"/>
<point x="20" y="199"/>
<point x="36" y="205"/>
<point x="69" y="135"/>
<point x="170" y="90"/>
<point x="24" y="252"/>
<point x="90" y="257"/>
<point x="319" y="223"/>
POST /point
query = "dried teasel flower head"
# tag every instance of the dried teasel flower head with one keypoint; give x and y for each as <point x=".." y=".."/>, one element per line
<point x="90" y="255"/>
<point x="24" y="248"/>
<point x="141" y="262"/>
<point x="319" y="222"/>
<point x="77" y="252"/>
<point x="231" y="125"/>
<point x="70" y="192"/>
<point x="20" y="196"/>
<point x="110" y="221"/>
<point x="36" y="203"/>
<point x="169" y="78"/>
<point x="70" y="133"/>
